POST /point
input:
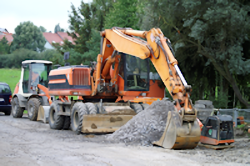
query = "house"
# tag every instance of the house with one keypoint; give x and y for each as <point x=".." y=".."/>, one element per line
<point x="56" y="38"/>
<point x="4" y="33"/>
<point x="49" y="37"/>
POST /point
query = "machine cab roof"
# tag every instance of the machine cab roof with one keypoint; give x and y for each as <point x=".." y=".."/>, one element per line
<point x="36" y="61"/>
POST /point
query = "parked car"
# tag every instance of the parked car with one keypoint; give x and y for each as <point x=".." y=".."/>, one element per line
<point x="5" y="98"/>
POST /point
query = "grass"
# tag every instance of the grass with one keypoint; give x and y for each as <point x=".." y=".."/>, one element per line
<point x="10" y="76"/>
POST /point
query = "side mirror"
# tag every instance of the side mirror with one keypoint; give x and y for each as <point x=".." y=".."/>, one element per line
<point x="25" y="66"/>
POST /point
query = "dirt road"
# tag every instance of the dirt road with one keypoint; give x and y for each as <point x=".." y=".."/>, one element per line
<point x="25" y="143"/>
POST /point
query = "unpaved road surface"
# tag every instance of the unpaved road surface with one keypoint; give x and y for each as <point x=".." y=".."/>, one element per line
<point x="27" y="143"/>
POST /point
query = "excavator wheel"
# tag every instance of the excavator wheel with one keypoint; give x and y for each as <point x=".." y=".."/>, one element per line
<point x="17" y="111"/>
<point x="92" y="110"/>
<point x="55" y="121"/>
<point x="66" y="124"/>
<point x="78" y="111"/>
<point x="136" y="107"/>
<point x="33" y="107"/>
<point x="144" y="105"/>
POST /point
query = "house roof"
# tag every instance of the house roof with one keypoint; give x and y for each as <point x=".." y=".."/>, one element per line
<point x="64" y="35"/>
<point x="57" y="37"/>
<point x="8" y="36"/>
<point x="52" y="37"/>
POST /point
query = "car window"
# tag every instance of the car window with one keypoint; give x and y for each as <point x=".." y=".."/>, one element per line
<point x="4" y="89"/>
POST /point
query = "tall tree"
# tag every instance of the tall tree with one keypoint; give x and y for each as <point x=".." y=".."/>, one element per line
<point x="123" y="14"/>
<point x="42" y="29"/>
<point x="28" y="36"/>
<point x="85" y="23"/>
<point x="80" y="25"/>
<point x="57" y="28"/>
<point x="216" y="30"/>
<point x="4" y="46"/>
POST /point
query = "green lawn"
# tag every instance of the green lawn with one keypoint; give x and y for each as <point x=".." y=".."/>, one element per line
<point x="10" y="76"/>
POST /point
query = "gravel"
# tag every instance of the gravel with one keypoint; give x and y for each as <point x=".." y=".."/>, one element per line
<point x="144" y="128"/>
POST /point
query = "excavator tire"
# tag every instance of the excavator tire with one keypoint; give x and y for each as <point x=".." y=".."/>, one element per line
<point x="66" y="124"/>
<point x="33" y="106"/>
<point x="55" y="121"/>
<point x="17" y="111"/>
<point x="78" y="111"/>
<point x="144" y="105"/>
<point x="92" y="110"/>
<point x="136" y="107"/>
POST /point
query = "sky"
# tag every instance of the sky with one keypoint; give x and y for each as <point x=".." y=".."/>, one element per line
<point x="46" y="13"/>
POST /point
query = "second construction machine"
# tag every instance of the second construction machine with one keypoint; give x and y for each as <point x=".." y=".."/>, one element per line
<point x="122" y="69"/>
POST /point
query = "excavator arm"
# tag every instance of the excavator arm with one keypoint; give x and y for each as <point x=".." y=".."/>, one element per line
<point x="182" y="129"/>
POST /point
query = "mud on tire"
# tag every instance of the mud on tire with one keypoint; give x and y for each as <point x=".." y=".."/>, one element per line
<point x="55" y="121"/>
<point x="17" y="111"/>
<point x="78" y="111"/>
<point x="136" y="107"/>
<point x="33" y="106"/>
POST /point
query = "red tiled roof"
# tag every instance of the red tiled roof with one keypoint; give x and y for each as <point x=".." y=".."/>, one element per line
<point x="8" y="36"/>
<point x="52" y="37"/>
<point x="64" y="36"/>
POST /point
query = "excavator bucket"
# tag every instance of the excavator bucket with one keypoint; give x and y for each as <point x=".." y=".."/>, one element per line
<point x="179" y="134"/>
<point x="43" y="114"/>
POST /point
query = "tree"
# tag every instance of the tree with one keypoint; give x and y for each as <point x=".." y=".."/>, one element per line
<point x="28" y="36"/>
<point x="58" y="28"/>
<point x="123" y="14"/>
<point x="216" y="30"/>
<point x="4" y="46"/>
<point x="94" y="48"/>
<point x="42" y="29"/>
<point x="88" y="17"/>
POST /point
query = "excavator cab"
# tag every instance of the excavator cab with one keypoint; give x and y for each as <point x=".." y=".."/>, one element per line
<point x="135" y="72"/>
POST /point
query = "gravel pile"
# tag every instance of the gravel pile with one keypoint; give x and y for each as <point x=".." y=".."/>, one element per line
<point x="144" y="128"/>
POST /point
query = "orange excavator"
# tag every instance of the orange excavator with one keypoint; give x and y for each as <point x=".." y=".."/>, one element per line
<point x="122" y="70"/>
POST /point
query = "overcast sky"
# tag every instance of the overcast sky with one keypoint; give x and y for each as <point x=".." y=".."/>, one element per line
<point x="46" y="13"/>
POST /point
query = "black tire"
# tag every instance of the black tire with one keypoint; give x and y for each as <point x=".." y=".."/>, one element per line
<point x="136" y="107"/>
<point x="144" y="105"/>
<point x="78" y="111"/>
<point x="7" y="112"/>
<point x="55" y="121"/>
<point x="66" y="124"/>
<point x="92" y="110"/>
<point x="17" y="111"/>
<point x="33" y="106"/>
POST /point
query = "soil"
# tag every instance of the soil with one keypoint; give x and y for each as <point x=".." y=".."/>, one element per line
<point x="29" y="143"/>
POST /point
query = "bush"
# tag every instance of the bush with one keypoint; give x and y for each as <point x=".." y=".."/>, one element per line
<point x="14" y="60"/>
